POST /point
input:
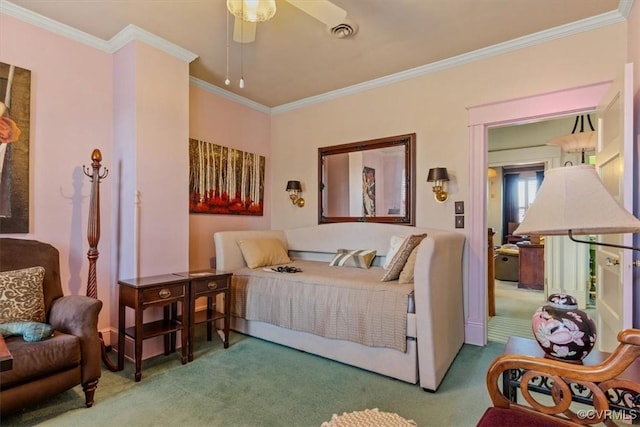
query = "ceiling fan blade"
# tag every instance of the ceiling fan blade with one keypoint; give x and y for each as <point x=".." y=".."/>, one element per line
<point x="323" y="10"/>
<point x="243" y="31"/>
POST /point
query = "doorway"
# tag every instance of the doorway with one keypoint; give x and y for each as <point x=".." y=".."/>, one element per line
<point x="481" y="118"/>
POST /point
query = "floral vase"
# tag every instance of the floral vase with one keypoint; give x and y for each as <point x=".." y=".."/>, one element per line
<point x="563" y="331"/>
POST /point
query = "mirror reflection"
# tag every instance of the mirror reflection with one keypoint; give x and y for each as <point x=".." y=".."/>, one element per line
<point x="367" y="181"/>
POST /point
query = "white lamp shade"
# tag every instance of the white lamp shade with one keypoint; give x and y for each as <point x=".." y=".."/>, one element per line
<point x="576" y="142"/>
<point x="574" y="198"/>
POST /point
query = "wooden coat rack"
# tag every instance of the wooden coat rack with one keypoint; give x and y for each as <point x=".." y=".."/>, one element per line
<point x="93" y="236"/>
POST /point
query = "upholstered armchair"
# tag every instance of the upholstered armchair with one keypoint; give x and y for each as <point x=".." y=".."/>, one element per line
<point x="69" y="357"/>
<point x="608" y="391"/>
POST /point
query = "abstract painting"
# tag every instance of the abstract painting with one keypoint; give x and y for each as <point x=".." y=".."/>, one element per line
<point x="224" y="180"/>
<point x="369" y="191"/>
<point x="15" y="94"/>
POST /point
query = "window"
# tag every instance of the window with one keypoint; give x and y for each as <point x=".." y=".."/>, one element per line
<point x="519" y="186"/>
<point x="527" y="189"/>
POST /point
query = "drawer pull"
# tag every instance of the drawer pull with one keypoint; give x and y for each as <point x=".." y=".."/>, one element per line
<point x="212" y="285"/>
<point x="164" y="293"/>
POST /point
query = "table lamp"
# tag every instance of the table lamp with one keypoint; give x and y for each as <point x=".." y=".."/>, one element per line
<point x="572" y="200"/>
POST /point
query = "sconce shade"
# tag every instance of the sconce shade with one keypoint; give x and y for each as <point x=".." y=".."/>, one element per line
<point x="437" y="174"/>
<point x="573" y="198"/>
<point x="294" y="185"/>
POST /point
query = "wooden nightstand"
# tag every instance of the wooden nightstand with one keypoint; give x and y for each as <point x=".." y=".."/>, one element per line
<point x="154" y="291"/>
<point x="208" y="284"/>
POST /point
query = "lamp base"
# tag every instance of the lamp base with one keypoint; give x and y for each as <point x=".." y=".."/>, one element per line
<point x="562" y="330"/>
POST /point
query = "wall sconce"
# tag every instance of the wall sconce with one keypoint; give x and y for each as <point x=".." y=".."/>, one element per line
<point x="295" y="188"/>
<point x="438" y="176"/>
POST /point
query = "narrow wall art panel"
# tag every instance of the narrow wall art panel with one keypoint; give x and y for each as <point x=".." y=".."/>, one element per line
<point x="369" y="191"/>
<point x="15" y="94"/>
<point x="224" y="180"/>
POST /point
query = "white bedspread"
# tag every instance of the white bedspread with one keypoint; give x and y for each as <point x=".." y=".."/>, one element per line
<point x="334" y="302"/>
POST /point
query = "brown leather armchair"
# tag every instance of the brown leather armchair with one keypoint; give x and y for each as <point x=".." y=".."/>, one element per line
<point x="71" y="356"/>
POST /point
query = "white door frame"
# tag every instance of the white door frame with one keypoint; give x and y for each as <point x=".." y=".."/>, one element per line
<point x="528" y="109"/>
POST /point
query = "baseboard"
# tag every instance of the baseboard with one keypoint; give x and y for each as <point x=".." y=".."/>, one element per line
<point x="475" y="333"/>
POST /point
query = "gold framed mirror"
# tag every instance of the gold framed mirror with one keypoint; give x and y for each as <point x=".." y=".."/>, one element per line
<point x="368" y="181"/>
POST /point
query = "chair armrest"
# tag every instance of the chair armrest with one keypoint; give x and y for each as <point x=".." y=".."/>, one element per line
<point x="599" y="379"/>
<point x="78" y="315"/>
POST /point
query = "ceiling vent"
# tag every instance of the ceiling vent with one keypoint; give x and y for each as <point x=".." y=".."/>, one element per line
<point x="345" y="30"/>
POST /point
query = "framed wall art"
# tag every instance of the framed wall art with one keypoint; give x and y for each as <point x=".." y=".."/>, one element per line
<point x="224" y="180"/>
<point x="15" y="94"/>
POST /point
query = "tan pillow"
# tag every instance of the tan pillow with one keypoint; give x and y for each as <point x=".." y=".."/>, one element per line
<point x="406" y="275"/>
<point x="262" y="252"/>
<point x="361" y="258"/>
<point x="21" y="295"/>
<point x="400" y="258"/>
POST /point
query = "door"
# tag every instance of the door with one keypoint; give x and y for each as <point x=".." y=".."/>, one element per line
<point x="614" y="162"/>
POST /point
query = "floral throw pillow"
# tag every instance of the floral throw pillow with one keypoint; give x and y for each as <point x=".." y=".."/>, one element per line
<point x="21" y="295"/>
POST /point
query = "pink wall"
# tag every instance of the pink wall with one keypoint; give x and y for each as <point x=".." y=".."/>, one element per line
<point x="220" y="121"/>
<point x="71" y="114"/>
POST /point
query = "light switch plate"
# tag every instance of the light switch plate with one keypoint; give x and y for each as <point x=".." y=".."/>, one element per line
<point x="459" y="221"/>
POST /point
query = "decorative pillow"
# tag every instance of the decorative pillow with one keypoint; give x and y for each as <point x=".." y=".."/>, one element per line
<point x="400" y="258"/>
<point x="263" y="252"/>
<point x="21" y="295"/>
<point x="406" y="275"/>
<point x="394" y="245"/>
<point x="360" y="258"/>
<point x="30" y="331"/>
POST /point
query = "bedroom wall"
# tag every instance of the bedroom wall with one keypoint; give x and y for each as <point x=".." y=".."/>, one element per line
<point x="434" y="106"/>
<point x="221" y="121"/>
<point x="77" y="106"/>
<point x="71" y="114"/>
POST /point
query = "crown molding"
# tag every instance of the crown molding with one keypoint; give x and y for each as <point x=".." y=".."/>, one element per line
<point x="194" y="81"/>
<point x="128" y="34"/>
<point x="131" y="32"/>
<point x="624" y="7"/>
<point x="25" y="15"/>
<point x="562" y="31"/>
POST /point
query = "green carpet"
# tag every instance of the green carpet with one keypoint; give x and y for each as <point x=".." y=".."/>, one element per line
<point x="257" y="383"/>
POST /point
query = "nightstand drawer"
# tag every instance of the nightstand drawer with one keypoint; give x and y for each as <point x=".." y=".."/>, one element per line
<point x="208" y="285"/>
<point x="164" y="293"/>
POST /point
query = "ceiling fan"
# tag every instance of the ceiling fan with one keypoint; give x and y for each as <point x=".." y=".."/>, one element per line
<point x="249" y="12"/>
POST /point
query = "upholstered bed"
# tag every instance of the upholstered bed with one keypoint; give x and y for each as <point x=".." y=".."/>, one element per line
<point x="408" y="331"/>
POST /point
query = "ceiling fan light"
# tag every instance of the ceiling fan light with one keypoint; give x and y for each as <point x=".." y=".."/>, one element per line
<point x="252" y="10"/>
